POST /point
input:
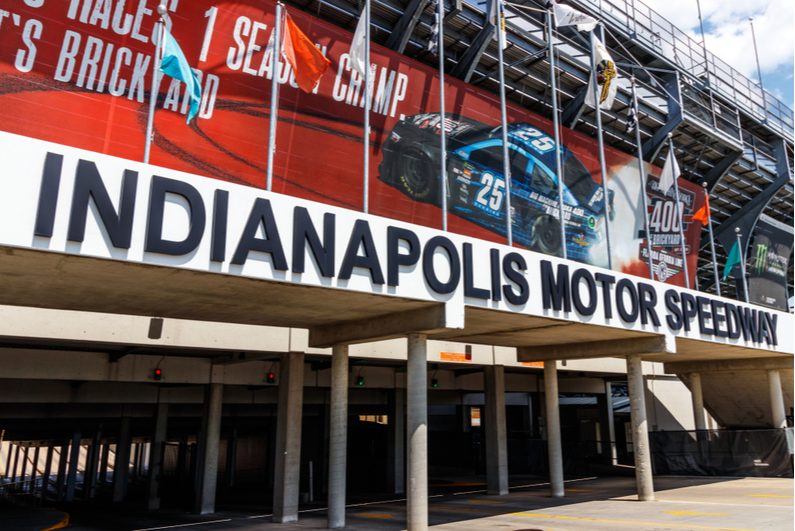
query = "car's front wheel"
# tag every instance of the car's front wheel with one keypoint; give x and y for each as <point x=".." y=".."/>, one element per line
<point x="415" y="174"/>
<point x="545" y="236"/>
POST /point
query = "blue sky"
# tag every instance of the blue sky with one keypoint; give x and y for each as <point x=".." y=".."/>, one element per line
<point x="728" y="36"/>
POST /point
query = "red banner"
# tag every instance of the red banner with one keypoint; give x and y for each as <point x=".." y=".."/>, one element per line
<point x="78" y="73"/>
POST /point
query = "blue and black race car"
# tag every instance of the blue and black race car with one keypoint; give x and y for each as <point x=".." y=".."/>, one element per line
<point x="476" y="182"/>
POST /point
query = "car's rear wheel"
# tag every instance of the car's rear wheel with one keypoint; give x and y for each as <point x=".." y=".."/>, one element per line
<point x="415" y="174"/>
<point x="545" y="237"/>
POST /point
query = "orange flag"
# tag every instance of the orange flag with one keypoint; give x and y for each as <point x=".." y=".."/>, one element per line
<point x="307" y="61"/>
<point x="703" y="212"/>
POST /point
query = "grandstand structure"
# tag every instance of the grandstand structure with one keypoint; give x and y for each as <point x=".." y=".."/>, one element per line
<point x="728" y="132"/>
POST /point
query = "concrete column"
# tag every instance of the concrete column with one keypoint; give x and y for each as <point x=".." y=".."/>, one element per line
<point x="396" y="472"/>
<point x="640" y="429"/>
<point x="611" y="424"/>
<point x="156" y="455"/>
<point x="92" y="465"/>
<point x="554" y="446"/>
<point x="121" y="465"/>
<point x="45" y="477"/>
<point x="16" y="464"/>
<point x="103" y="466"/>
<point x="74" y="460"/>
<point x="211" y="440"/>
<point x="60" y="482"/>
<point x="338" y="437"/>
<point x="287" y="468"/>
<point x="698" y="400"/>
<point x="417" y="433"/>
<point x="496" y="435"/>
<point x="776" y="399"/>
<point x="34" y="470"/>
<point x="9" y="458"/>
<point x="24" y="471"/>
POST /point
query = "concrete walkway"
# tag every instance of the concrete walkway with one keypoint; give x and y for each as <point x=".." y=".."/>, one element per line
<point x="604" y="504"/>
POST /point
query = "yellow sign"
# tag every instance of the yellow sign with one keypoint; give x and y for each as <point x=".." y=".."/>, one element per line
<point x="456" y="356"/>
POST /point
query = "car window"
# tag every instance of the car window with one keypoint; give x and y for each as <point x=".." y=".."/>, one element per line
<point x="542" y="182"/>
<point x="491" y="157"/>
<point x="577" y="179"/>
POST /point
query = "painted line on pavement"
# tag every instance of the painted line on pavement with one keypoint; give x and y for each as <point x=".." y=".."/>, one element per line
<point x="184" y="525"/>
<point x="680" y="513"/>
<point x="63" y="523"/>
<point x="683" y="526"/>
<point x="768" y="496"/>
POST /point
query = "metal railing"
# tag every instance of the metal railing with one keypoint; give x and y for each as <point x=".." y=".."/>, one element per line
<point x="26" y="493"/>
<point x="646" y="25"/>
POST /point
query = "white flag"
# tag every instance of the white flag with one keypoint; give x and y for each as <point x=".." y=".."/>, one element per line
<point x="605" y="75"/>
<point x="669" y="173"/>
<point x="359" y="45"/>
<point x="568" y="16"/>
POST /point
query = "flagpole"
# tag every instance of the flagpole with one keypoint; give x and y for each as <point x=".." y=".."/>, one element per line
<point x="680" y="211"/>
<point x="443" y="129"/>
<point x="277" y="52"/>
<point x="642" y="170"/>
<point x="742" y="262"/>
<point x="506" y="164"/>
<point x="712" y="241"/>
<point x="556" y="126"/>
<point x="597" y="103"/>
<point x="366" y="192"/>
<point x="159" y="27"/>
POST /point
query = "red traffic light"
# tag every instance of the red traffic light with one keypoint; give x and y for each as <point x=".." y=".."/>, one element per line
<point x="271" y="377"/>
<point x="158" y="374"/>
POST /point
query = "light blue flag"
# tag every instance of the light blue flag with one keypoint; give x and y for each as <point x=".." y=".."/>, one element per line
<point x="734" y="258"/>
<point x="175" y="65"/>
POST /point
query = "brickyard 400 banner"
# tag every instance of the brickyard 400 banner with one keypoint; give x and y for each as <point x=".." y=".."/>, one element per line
<point x="78" y="73"/>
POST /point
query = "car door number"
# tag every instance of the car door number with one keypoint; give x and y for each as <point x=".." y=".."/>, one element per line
<point x="491" y="192"/>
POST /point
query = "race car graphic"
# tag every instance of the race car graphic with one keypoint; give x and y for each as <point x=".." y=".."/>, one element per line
<point x="476" y="182"/>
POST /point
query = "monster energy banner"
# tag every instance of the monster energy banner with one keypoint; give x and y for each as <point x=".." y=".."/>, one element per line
<point x="767" y="273"/>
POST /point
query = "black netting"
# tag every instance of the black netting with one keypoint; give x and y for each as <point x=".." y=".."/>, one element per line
<point x="761" y="453"/>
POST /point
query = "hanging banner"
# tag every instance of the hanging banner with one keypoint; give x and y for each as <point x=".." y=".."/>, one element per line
<point x="768" y="263"/>
<point x="78" y="73"/>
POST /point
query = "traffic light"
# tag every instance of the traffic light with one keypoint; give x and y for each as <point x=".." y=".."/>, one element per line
<point x="360" y="381"/>
<point x="271" y="378"/>
<point x="434" y="383"/>
<point x="158" y="374"/>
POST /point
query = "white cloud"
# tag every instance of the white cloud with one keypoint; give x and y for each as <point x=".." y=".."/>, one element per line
<point x="729" y="31"/>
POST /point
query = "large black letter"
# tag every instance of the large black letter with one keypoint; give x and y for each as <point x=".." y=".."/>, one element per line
<point x="220" y="216"/>
<point x="261" y="214"/>
<point x="496" y="278"/>
<point x="394" y="259"/>
<point x="703" y="315"/>
<point x="579" y="274"/>
<point x="688" y="309"/>
<point x="674" y="317"/>
<point x="733" y="321"/>
<point x="647" y="306"/>
<point x="89" y="183"/>
<point x="516" y="277"/>
<point x="154" y="226"/>
<point x="606" y="281"/>
<point x="628" y="317"/>
<point x="304" y="231"/>
<point x="48" y="195"/>
<point x="427" y="265"/>
<point x="555" y="294"/>
<point x="469" y="276"/>
<point x="361" y="236"/>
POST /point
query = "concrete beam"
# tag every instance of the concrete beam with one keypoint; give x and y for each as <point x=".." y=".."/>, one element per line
<point x="599" y="349"/>
<point x="421" y="321"/>
<point x="750" y="364"/>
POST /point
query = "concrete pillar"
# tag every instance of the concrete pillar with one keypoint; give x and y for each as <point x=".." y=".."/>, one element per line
<point x="92" y="465"/>
<point x="611" y="424"/>
<point x="60" y="482"/>
<point x="16" y="464"/>
<point x="554" y="446"/>
<point x="34" y="470"/>
<point x="698" y="401"/>
<point x="45" y="477"/>
<point x="396" y="471"/>
<point x="210" y="442"/>
<point x="9" y="459"/>
<point x="496" y="435"/>
<point x="287" y="468"/>
<point x="156" y="455"/>
<point x="103" y="466"/>
<point x="640" y="429"/>
<point x="338" y="437"/>
<point x="776" y="399"/>
<point x="24" y="471"/>
<point x="121" y="465"/>
<point x="417" y="433"/>
<point x="74" y="461"/>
